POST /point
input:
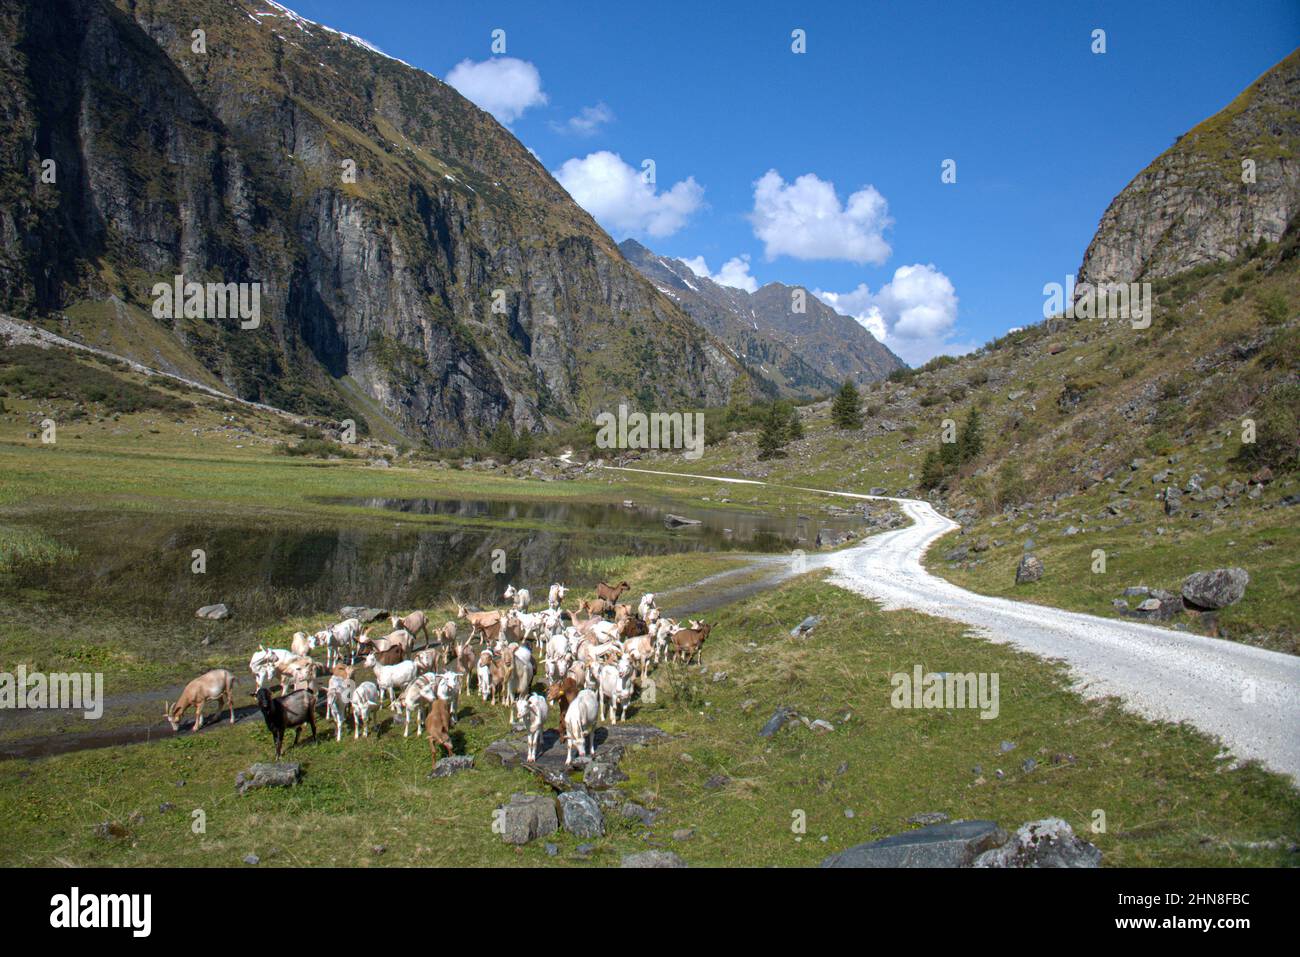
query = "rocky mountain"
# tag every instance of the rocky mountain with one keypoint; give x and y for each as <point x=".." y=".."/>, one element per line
<point x="805" y="353"/>
<point x="417" y="267"/>
<point x="1197" y="203"/>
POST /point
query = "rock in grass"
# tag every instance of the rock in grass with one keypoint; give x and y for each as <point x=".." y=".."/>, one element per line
<point x="652" y="859"/>
<point x="282" y="774"/>
<point x="1215" y="589"/>
<point x="1050" y="842"/>
<point x="1030" y="569"/>
<point x="582" y="816"/>
<point x="527" y="817"/>
<point x="778" y="721"/>
<point x="217" y="612"/>
<point x="942" y="845"/>
<point x="928" y="818"/>
<point x="449" y="765"/>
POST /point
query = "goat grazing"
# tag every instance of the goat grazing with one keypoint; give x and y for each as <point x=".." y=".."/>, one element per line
<point x="212" y="685"/>
<point x="439" y="728"/>
<point x="479" y="621"/>
<point x="689" y="642"/>
<point x="391" y="678"/>
<point x="414" y="623"/>
<point x="287" y="711"/>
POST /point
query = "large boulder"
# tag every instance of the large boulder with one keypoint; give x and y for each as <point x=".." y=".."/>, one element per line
<point x="942" y="845"/>
<point x="282" y="774"/>
<point x="1030" y="569"/>
<point x="527" y="817"/>
<point x="1215" y="589"/>
<point x="582" y="816"/>
<point x="1050" y="842"/>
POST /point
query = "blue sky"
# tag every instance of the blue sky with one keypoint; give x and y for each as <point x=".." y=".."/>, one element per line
<point x="1044" y="132"/>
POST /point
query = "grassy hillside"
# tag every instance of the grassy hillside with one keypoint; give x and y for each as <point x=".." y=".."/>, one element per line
<point x="1083" y="423"/>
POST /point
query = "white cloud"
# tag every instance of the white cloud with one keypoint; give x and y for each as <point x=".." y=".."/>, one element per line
<point x="734" y="272"/>
<point x="805" y="219"/>
<point x="588" y="121"/>
<point x="504" y="86"/>
<point x="914" y="313"/>
<point x="621" y="199"/>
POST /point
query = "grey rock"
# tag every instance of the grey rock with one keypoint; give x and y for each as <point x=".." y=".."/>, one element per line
<point x="805" y="626"/>
<point x="652" y="859"/>
<point x="633" y="811"/>
<point x="582" y="816"/>
<point x="778" y="721"/>
<point x="1215" y="589"/>
<point x="678" y="521"/>
<point x="251" y="859"/>
<point x="717" y="782"/>
<point x="528" y="817"/>
<point x="941" y="845"/>
<point x="1030" y="569"/>
<point x="449" y="765"/>
<point x="1050" y="842"/>
<point x="928" y="818"/>
<point x="282" y="774"/>
<point x="217" y="612"/>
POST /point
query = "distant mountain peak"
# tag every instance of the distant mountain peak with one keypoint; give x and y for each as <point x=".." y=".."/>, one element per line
<point x="832" y="347"/>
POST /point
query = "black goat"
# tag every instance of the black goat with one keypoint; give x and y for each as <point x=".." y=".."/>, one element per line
<point x="287" y="711"/>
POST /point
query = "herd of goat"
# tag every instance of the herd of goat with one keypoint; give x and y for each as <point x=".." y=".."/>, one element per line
<point x="593" y="658"/>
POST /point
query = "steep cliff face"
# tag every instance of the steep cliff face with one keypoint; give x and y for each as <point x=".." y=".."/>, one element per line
<point x="1191" y="205"/>
<point x="377" y="290"/>
<point x="802" y="353"/>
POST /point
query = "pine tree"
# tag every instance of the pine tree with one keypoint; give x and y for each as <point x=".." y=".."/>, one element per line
<point x="502" y="442"/>
<point x="772" y="436"/>
<point x="971" y="440"/>
<point x="932" y="471"/>
<point x="846" y="410"/>
<point x="793" y="427"/>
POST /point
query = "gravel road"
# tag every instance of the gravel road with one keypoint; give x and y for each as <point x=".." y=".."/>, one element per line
<point x="1247" y="697"/>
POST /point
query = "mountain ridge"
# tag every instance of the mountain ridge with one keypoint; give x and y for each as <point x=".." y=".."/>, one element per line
<point x="814" y="351"/>
<point x="225" y="165"/>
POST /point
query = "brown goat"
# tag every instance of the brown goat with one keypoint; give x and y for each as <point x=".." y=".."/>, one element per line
<point x="594" y="607"/>
<point x="611" y="593"/>
<point x="414" y="623"/>
<point x="391" y="656"/>
<point x="562" y="693"/>
<point x="438" y="724"/>
<point x="689" y="642"/>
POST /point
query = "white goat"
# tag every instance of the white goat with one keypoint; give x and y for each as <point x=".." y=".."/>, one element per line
<point x="365" y="702"/>
<point x="449" y="691"/>
<point x="616" y="687"/>
<point x="262" y="664"/>
<point x="521" y="678"/>
<point x="338" y="697"/>
<point x="580" y="725"/>
<point x="532" y="711"/>
<point x="391" y="678"/>
<point x="415" y="699"/>
<point x="556" y="595"/>
<point x="520" y="596"/>
<point x="647" y="603"/>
